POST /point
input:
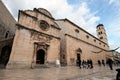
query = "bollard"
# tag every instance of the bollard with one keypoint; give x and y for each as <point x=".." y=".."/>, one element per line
<point x="118" y="74"/>
<point x="57" y="63"/>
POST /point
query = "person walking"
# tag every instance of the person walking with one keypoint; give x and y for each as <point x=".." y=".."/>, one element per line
<point x="103" y="63"/>
<point x="109" y="62"/>
<point x="79" y="64"/>
<point x="84" y="64"/>
<point x="91" y="64"/>
<point x="88" y="64"/>
<point x="99" y="63"/>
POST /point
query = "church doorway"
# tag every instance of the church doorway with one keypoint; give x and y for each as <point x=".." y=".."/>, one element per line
<point x="40" y="57"/>
<point x="78" y="56"/>
<point x="78" y="59"/>
<point x="4" y="57"/>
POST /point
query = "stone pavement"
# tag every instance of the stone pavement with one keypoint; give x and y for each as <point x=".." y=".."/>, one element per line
<point x="59" y="73"/>
<point x="102" y="75"/>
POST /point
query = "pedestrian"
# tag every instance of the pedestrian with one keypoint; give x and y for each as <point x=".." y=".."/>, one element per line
<point x="88" y="64"/>
<point x="110" y="62"/>
<point x="79" y="63"/>
<point x="99" y="63"/>
<point x="118" y="74"/>
<point x="84" y="64"/>
<point x="103" y="63"/>
<point x="91" y="64"/>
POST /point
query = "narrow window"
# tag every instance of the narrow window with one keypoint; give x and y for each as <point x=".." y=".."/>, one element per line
<point x="104" y="45"/>
<point x="100" y="43"/>
<point x="6" y="35"/>
<point x="76" y="33"/>
<point x="87" y="36"/>
<point x="98" y="33"/>
<point x="94" y="40"/>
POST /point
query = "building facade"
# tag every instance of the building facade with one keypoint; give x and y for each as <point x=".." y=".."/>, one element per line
<point x="37" y="39"/>
<point x="78" y="44"/>
<point x="7" y="32"/>
<point x="41" y="40"/>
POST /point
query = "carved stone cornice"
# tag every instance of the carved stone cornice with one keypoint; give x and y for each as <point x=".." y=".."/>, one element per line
<point x="42" y="45"/>
<point x="35" y="31"/>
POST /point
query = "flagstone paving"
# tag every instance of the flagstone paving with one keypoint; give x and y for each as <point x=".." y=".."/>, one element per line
<point x="59" y="73"/>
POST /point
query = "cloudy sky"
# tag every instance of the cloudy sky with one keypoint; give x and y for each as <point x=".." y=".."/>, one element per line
<point x="85" y="13"/>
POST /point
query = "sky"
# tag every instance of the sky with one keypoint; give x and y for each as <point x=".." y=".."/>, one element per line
<point x="85" y="13"/>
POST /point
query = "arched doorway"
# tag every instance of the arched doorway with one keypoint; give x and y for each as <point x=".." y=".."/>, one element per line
<point x="4" y="57"/>
<point x="40" y="56"/>
<point x="78" y="56"/>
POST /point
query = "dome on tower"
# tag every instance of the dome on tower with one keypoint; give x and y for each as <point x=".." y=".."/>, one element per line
<point x="99" y="25"/>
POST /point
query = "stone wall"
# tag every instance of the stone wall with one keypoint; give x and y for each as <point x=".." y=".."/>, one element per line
<point x="72" y="44"/>
<point x="7" y="23"/>
<point x="7" y="32"/>
<point x="73" y="37"/>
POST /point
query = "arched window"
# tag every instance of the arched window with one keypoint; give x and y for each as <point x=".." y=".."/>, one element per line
<point x="76" y="33"/>
<point x="87" y="36"/>
<point x="101" y="37"/>
<point x="94" y="40"/>
<point x="79" y="50"/>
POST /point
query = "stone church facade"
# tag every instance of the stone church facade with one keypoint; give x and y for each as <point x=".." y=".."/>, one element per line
<point x="37" y="39"/>
<point x="42" y="40"/>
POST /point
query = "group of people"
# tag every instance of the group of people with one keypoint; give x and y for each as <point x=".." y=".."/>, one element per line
<point x="101" y="62"/>
<point x="109" y="62"/>
<point x="89" y="63"/>
<point x="85" y="64"/>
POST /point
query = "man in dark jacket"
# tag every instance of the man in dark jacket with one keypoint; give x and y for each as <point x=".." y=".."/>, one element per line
<point x="109" y="62"/>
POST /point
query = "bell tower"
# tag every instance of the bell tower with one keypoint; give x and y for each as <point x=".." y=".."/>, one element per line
<point x="101" y="33"/>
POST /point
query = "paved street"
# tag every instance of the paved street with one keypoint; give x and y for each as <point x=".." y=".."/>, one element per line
<point x="61" y="73"/>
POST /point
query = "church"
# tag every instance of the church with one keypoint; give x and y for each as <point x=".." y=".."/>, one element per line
<point x="41" y="39"/>
<point x="78" y="44"/>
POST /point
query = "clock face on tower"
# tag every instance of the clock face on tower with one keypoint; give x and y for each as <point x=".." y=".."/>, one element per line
<point x="44" y="25"/>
